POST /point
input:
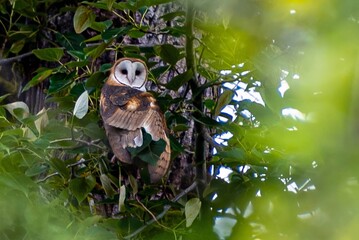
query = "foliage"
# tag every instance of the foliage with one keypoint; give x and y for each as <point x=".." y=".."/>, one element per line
<point x="289" y="176"/>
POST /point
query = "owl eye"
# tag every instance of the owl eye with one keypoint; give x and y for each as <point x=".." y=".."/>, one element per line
<point x="137" y="72"/>
<point x="124" y="71"/>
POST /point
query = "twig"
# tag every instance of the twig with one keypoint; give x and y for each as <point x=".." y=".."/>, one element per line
<point x="68" y="166"/>
<point x="211" y="141"/>
<point x="19" y="57"/>
<point x="165" y="210"/>
<point x="82" y="161"/>
<point x="200" y="148"/>
<point x="89" y="144"/>
<point x="152" y="215"/>
<point x="13" y="59"/>
<point x="48" y="176"/>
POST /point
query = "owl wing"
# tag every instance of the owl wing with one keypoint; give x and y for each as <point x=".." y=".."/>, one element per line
<point x="125" y="111"/>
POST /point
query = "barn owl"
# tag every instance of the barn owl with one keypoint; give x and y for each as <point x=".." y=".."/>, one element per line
<point x="126" y="108"/>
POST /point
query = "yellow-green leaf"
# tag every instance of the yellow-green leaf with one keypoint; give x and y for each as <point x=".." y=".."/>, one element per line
<point x="109" y="4"/>
<point x="191" y="210"/>
<point x="38" y="78"/>
<point x="225" y="98"/>
<point x="107" y="186"/>
<point x="83" y="19"/>
<point x="21" y="106"/>
<point x="42" y="121"/>
<point x="121" y="200"/>
<point x="16" y="47"/>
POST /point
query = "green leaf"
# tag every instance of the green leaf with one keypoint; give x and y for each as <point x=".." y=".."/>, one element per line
<point x="176" y="147"/>
<point x="170" y="16"/>
<point x="121" y="6"/>
<point x="71" y="41"/>
<point x="176" y="31"/>
<point x="110" y="34"/>
<point x="83" y="19"/>
<point x="41" y="143"/>
<point x="101" y="26"/>
<point x="4" y="148"/>
<point x="105" y="67"/>
<point x="134" y="33"/>
<point x="96" y="51"/>
<point x="95" y="79"/>
<point x="107" y="186"/>
<point x="36" y="170"/>
<point x="156" y="72"/>
<point x="4" y="96"/>
<point x="225" y="98"/>
<point x="191" y="210"/>
<point x="207" y="121"/>
<point x="232" y="155"/>
<point x="38" y="78"/>
<point x="109" y="4"/>
<point x="149" y="151"/>
<point x="60" y="81"/>
<point x="209" y="103"/>
<point x="95" y="38"/>
<point x="180" y="128"/>
<point x="168" y="53"/>
<point x="133" y="184"/>
<point x="179" y="80"/>
<point x="81" y="187"/>
<point x="42" y="120"/>
<point x="121" y="200"/>
<point x="49" y="54"/>
<point x="17" y="181"/>
<point x="16" y="47"/>
<point x="152" y="153"/>
<point x="13" y="107"/>
<point x="60" y="166"/>
<point x="81" y="105"/>
<point x="76" y="64"/>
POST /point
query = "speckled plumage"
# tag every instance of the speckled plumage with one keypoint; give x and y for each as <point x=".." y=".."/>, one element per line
<point x="126" y="109"/>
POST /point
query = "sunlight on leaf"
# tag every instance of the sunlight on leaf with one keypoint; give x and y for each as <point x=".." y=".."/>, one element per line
<point x="122" y="198"/>
<point x="12" y="107"/>
<point x="225" y="98"/>
<point x="38" y="78"/>
<point x="42" y="121"/>
<point x="107" y="185"/>
<point x="192" y="209"/>
<point x="81" y="105"/>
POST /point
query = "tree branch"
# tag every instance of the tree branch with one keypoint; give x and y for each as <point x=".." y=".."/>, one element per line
<point x="48" y="176"/>
<point x="19" y="57"/>
<point x="200" y="157"/>
<point x="165" y="210"/>
<point x="13" y="59"/>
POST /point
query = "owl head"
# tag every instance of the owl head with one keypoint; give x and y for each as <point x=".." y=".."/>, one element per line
<point x="130" y="72"/>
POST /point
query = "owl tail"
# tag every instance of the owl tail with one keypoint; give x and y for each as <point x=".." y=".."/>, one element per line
<point x="117" y="138"/>
<point x="159" y="170"/>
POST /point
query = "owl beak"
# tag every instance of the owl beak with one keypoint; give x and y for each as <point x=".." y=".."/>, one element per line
<point x="131" y="76"/>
